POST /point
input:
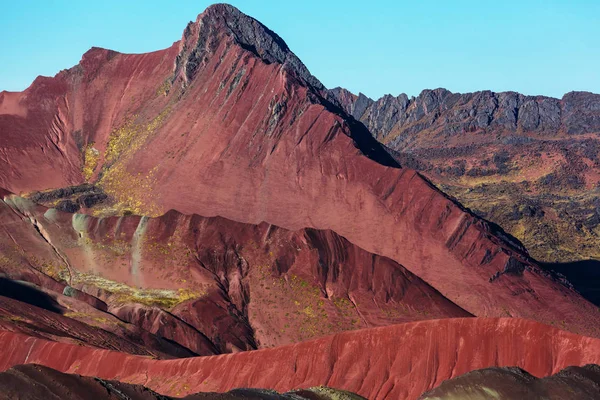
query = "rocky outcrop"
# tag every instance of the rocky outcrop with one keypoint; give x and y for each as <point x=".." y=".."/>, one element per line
<point x="393" y="362"/>
<point x="36" y="382"/>
<point x="509" y="383"/>
<point x="221" y="23"/>
<point x="449" y="113"/>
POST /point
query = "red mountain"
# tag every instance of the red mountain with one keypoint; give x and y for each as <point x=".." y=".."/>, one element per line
<point x="291" y="222"/>
<point x="209" y="285"/>
<point x="229" y="122"/>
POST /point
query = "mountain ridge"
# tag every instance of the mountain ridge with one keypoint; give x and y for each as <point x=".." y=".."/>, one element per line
<point x="391" y="119"/>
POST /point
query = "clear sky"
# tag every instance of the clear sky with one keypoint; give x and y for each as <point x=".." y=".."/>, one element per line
<point x="547" y="47"/>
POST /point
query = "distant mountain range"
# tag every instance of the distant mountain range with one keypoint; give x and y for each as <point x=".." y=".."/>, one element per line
<point x="528" y="163"/>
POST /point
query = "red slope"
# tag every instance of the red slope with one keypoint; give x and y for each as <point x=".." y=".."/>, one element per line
<point x="320" y="282"/>
<point x="111" y="333"/>
<point x="44" y="127"/>
<point x="244" y="134"/>
<point x="400" y="361"/>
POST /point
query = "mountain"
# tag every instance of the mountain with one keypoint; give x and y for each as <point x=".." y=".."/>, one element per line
<point x="392" y="362"/>
<point x="528" y="163"/>
<point x="228" y="122"/>
<point x="212" y="197"/>
<point x="401" y="120"/>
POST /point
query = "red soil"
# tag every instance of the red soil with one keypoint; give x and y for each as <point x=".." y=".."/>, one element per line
<point x="400" y="361"/>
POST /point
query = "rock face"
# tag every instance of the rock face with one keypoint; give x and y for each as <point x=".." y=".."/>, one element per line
<point x="528" y="163"/>
<point x="393" y="362"/>
<point x="36" y="382"/>
<point x="224" y="23"/>
<point x="576" y="383"/>
<point x="396" y="120"/>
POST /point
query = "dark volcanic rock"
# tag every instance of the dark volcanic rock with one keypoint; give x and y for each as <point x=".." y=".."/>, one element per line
<point x="439" y="109"/>
<point x="511" y="383"/>
<point x="91" y="199"/>
<point x="71" y="199"/>
<point x="36" y="382"/>
<point x="51" y="195"/>
<point x="201" y="38"/>
<point x="68" y="206"/>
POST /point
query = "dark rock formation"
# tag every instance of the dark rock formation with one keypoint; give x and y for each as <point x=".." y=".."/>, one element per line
<point x="201" y="39"/>
<point x="511" y="383"/>
<point x="451" y="113"/>
<point x="68" y="206"/>
<point x="36" y="382"/>
<point x="72" y="198"/>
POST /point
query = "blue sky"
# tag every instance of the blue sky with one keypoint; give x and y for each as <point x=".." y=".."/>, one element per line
<point x="547" y="47"/>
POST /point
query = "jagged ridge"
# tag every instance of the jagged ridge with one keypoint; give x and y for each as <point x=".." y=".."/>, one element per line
<point x="201" y="38"/>
<point x="451" y="113"/>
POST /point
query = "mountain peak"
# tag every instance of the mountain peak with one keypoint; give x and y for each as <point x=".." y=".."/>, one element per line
<point x="223" y="21"/>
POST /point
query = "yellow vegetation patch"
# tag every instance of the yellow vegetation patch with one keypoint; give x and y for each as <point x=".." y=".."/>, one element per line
<point x="121" y="139"/>
<point x="13" y="318"/>
<point x="122" y="293"/>
<point x="92" y="320"/>
<point x="90" y="161"/>
<point x="132" y="193"/>
<point x="164" y="88"/>
<point x="4" y="260"/>
<point x="131" y="136"/>
<point x="116" y="247"/>
<point x="173" y="253"/>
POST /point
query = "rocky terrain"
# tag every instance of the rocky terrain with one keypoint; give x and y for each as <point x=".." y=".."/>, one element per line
<point x="209" y="217"/>
<point x="36" y="382"/>
<point x="528" y="163"/>
<point x="575" y="383"/>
